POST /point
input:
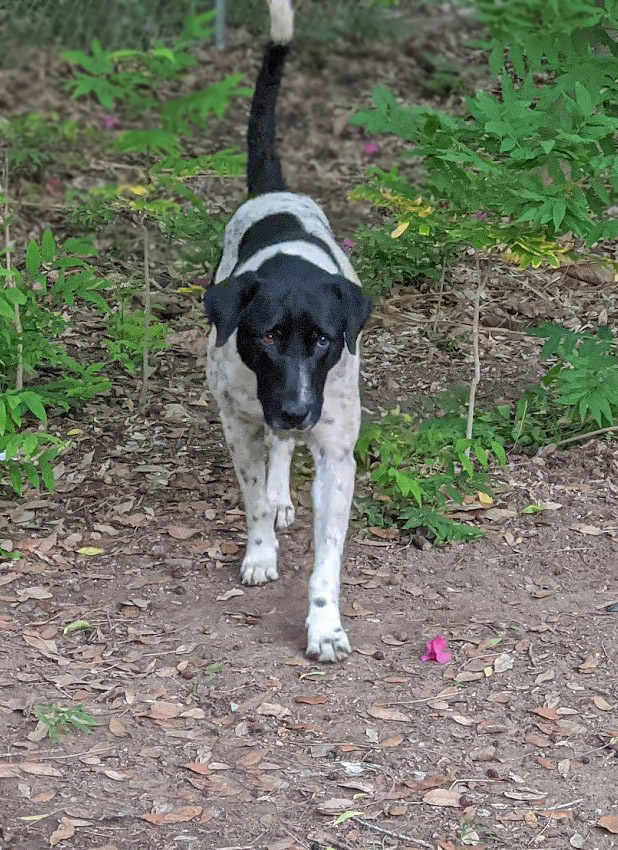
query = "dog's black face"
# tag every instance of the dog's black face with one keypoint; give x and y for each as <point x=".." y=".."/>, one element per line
<point x="293" y="320"/>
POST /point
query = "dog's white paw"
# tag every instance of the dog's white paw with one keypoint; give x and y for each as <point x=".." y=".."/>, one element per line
<point x="326" y="638"/>
<point x="258" y="569"/>
<point x="285" y="516"/>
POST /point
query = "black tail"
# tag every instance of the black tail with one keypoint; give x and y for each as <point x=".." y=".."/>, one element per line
<point x="264" y="172"/>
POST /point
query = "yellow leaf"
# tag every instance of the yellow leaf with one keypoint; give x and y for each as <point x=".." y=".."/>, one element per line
<point x="134" y="190"/>
<point x="485" y="498"/>
<point x="488" y="671"/>
<point x="400" y="230"/>
<point x="425" y="212"/>
<point x="424" y="230"/>
<point x="90" y="550"/>
<point x="75" y="432"/>
<point x="189" y="290"/>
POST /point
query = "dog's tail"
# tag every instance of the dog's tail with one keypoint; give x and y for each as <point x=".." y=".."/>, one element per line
<point x="264" y="168"/>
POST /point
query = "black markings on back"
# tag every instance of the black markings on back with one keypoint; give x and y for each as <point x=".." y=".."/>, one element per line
<point x="319" y="602"/>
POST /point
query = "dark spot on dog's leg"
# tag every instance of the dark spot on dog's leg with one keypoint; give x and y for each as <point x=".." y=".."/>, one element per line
<point x="264" y="514"/>
<point x="254" y="518"/>
<point x="258" y="541"/>
<point x="320" y="602"/>
<point x="254" y="480"/>
<point x="338" y="629"/>
<point x="227" y="396"/>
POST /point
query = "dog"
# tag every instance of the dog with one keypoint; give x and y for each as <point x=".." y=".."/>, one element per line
<point x="287" y="311"/>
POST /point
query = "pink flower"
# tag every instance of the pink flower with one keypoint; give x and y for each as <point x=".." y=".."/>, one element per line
<point x="436" y="650"/>
<point x="371" y="149"/>
<point x="348" y="245"/>
<point x="481" y="216"/>
<point x="110" y="121"/>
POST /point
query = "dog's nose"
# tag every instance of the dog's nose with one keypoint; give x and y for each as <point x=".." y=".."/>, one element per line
<point x="294" y="413"/>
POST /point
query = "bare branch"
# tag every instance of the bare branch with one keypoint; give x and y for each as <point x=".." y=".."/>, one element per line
<point x="147" y="314"/>
<point x="482" y="273"/>
<point x="10" y="282"/>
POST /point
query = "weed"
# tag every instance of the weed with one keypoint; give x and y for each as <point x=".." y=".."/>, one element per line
<point x="60" y="720"/>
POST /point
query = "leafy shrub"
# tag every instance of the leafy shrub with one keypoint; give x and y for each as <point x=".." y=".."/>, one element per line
<point x="521" y="169"/>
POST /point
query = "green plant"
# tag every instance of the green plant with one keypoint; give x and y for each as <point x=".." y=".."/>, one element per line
<point x="60" y="720"/>
<point x="422" y="464"/>
<point x="43" y="143"/>
<point x="124" y="337"/>
<point x="521" y="171"/>
<point x="50" y="280"/>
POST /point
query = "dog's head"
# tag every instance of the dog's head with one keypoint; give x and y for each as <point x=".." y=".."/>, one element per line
<point x="293" y="321"/>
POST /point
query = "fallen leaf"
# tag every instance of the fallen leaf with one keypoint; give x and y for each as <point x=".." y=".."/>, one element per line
<point x="577" y="840"/>
<point x="547" y="713"/>
<point x="297" y="662"/>
<point x="443" y="797"/>
<point x="90" y="550"/>
<point x="391" y="533"/>
<point x="230" y="594"/>
<point x="602" y="704"/>
<point x="400" y="229"/>
<point x="503" y="662"/>
<point x="590" y="664"/>
<point x="429" y="782"/>
<point x="182" y="532"/>
<point x="38" y="768"/>
<point x="199" y="767"/>
<point x="272" y="709"/>
<point x="117" y="728"/>
<point x="525" y="794"/>
<point x="381" y="712"/>
<point x="609" y="822"/>
<point x="589" y="530"/>
<point x="8" y="771"/>
<point x="315" y="699"/>
<point x="65" y="830"/>
<point x="181" y="815"/>
<point x="395" y="741"/>
<point x="335" y="806"/>
<point x="164" y="711"/>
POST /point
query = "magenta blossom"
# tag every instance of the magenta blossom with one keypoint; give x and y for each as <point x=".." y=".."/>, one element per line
<point x="371" y="149"/>
<point x="111" y="121"/>
<point x="348" y="245"/>
<point x="437" y="650"/>
<point x="481" y="216"/>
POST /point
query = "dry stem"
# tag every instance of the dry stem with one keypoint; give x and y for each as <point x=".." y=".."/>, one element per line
<point x="10" y="282"/>
<point x="482" y="274"/>
<point x="147" y="312"/>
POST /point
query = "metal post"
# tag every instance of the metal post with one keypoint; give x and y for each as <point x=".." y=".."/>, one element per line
<point x="220" y="24"/>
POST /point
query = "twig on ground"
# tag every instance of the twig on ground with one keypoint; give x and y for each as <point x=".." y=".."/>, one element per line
<point x="375" y="828"/>
<point x="10" y="282"/>
<point x="482" y="274"/>
<point x="147" y="310"/>
<point x="440" y="297"/>
<point x="586" y="436"/>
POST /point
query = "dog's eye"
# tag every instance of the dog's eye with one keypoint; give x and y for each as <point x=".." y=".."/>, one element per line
<point x="268" y="339"/>
<point x="322" y="341"/>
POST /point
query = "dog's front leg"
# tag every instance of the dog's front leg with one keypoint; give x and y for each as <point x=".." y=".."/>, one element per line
<point x="333" y="489"/>
<point x="246" y="445"/>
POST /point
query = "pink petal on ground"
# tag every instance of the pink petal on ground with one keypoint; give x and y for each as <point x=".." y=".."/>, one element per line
<point x="348" y="245"/>
<point x="371" y="149"/>
<point x="437" y="650"/>
<point x="110" y="121"/>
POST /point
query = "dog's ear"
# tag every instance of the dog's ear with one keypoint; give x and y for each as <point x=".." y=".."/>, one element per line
<point x="224" y="303"/>
<point x="356" y="310"/>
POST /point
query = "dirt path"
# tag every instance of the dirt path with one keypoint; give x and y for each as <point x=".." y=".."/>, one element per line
<point x="214" y="731"/>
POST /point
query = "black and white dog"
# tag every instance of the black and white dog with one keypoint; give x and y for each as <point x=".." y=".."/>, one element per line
<point x="283" y="363"/>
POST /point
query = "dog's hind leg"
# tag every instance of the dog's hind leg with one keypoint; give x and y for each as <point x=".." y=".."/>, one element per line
<point x="278" y="483"/>
<point x="246" y="445"/>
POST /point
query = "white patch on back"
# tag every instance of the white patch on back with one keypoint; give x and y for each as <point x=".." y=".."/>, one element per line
<point x="296" y="248"/>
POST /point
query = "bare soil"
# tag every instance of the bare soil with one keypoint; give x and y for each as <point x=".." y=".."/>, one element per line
<point x="214" y="731"/>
